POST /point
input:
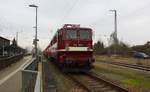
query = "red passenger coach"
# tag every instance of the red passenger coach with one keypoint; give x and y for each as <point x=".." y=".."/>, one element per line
<point x="71" y="48"/>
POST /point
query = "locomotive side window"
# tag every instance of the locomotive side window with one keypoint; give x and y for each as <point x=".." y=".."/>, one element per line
<point x="71" y="34"/>
<point x="84" y="34"/>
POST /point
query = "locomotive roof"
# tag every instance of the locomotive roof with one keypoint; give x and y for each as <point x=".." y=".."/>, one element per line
<point x="73" y="26"/>
<point x="84" y="28"/>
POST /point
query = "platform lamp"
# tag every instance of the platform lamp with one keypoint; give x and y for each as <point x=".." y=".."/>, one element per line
<point x="35" y="40"/>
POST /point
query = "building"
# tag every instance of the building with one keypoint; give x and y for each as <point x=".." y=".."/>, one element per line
<point x="4" y="44"/>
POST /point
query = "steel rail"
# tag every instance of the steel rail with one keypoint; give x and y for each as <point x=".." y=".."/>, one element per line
<point x="95" y="83"/>
<point x="81" y="85"/>
<point x="139" y="67"/>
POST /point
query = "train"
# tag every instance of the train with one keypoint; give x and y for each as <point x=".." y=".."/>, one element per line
<point x="71" y="48"/>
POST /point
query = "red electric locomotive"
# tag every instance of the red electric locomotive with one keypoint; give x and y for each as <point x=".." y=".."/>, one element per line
<point x="71" y="48"/>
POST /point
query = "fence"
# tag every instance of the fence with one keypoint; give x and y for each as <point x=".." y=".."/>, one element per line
<point x="31" y="77"/>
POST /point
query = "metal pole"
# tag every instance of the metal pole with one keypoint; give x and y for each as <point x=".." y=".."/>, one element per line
<point x="115" y="29"/>
<point x="17" y="38"/>
<point x="115" y="24"/>
<point x="35" y="40"/>
<point x="36" y="35"/>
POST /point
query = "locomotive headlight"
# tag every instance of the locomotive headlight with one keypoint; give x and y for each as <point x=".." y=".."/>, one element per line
<point x="88" y="48"/>
<point x="67" y="46"/>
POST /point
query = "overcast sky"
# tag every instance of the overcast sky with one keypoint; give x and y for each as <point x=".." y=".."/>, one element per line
<point x="133" y="19"/>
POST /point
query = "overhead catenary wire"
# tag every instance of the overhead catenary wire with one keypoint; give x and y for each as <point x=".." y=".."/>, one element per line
<point x="65" y="15"/>
<point x="68" y="12"/>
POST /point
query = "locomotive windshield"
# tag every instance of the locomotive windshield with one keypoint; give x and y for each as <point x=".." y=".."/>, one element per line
<point x="84" y="34"/>
<point x="71" y="34"/>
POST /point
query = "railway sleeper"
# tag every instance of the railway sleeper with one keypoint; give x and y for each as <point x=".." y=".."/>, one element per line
<point x="93" y="83"/>
<point x="103" y="88"/>
<point x="97" y="86"/>
<point x="106" y="89"/>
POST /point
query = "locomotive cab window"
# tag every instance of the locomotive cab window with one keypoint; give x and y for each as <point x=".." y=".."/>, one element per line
<point x="84" y="34"/>
<point x="71" y="34"/>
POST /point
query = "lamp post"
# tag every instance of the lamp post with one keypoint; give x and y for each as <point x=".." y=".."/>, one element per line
<point x="115" y="21"/>
<point x="35" y="40"/>
<point x="115" y="29"/>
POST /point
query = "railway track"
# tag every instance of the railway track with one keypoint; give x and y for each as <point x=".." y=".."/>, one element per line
<point x="7" y="61"/>
<point x="48" y="80"/>
<point x="90" y="82"/>
<point x="93" y="83"/>
<point x="134" y="66"/>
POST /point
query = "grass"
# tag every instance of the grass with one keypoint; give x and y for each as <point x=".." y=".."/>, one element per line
<point x="132" y="82"/>
<point x="136" y="81"/>
<point x="127" y="77"/>
<point x="63" y="84"/>
<point x="128" y="60"/>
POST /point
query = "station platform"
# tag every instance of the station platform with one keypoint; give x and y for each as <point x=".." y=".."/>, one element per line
<point x="10" y="77"/>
